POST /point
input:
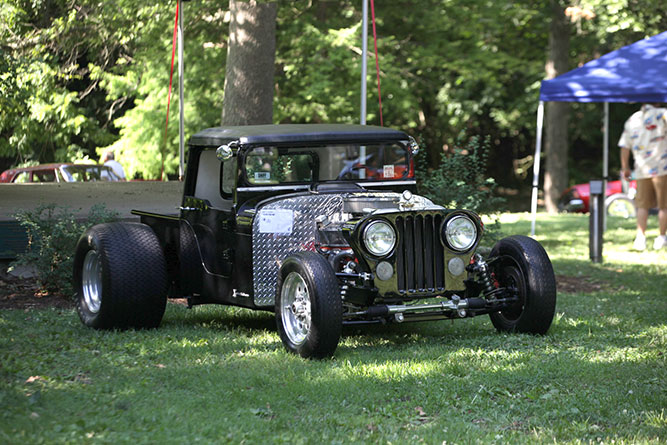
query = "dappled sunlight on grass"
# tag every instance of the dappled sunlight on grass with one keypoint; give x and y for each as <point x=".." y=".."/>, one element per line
<point x="652" y="258"/>
<point x="213" y="374"/>
<point x="655" y="418"/>
<point x="618" y="355"/>
<point x="517" y="386"/>
<point x="386" y="370"/>
<point x="566" y="236"/>
<point x="654" y="336"/>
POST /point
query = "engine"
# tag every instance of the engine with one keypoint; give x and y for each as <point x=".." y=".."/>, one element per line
<point x="332" y="243"/>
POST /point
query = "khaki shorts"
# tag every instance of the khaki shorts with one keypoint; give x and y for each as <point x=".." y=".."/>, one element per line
<point x="652" y="192"/>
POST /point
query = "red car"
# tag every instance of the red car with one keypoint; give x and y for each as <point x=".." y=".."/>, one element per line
<point x="619" y="198"/>
<point x="59" y="173"/>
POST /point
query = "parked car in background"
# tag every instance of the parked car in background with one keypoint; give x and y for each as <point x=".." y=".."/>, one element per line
<point x="59" y="173"/>
<point x="619" y="198"/>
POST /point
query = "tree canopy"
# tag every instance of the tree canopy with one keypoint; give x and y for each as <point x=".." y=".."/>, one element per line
<point x="79" y="76"/>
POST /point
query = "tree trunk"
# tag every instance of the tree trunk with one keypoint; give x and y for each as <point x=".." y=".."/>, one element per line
<point x="557" y="113"/>
<point x="430" y="133"/>
<point x="250" y="63"/>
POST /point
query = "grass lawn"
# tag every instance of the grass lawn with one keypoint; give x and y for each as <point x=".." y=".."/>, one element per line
<point x="221" y="375"/>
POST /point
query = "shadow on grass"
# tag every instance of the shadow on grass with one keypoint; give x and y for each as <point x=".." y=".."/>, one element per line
<point x="225" y="320"/>
<point x="218" y="317"/>
<point x="616" y="279"/>
<point x="626" y="299"/>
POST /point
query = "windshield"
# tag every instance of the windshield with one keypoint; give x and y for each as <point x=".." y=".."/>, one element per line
<point x="348" y="162"/>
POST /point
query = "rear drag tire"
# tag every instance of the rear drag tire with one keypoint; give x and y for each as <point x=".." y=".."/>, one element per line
<point x="120" y="277"/>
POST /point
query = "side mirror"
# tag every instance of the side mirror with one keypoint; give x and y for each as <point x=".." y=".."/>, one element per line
<point x="414" y="147"/>
<point x="224" y="153"/>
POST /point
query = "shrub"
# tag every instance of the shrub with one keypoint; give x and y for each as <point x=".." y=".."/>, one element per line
<point x="52" y="235"/>
<point x="460" y="181"/>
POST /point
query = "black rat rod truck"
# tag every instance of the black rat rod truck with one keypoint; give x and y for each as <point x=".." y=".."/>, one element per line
<point x="320" y="224"/>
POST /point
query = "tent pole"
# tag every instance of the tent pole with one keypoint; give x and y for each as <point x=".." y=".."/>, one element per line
<point x="536" y="166"/>
<point x="181" y="105"/>
<point x="605" y="160"/>
<point x="364" y="59"/>
<point x="605" y="152"/>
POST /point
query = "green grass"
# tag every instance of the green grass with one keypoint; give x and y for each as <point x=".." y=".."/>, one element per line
<point x="217" y="375"/>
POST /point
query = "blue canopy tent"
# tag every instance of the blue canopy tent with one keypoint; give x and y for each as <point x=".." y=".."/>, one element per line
<point x="634" y="73"/>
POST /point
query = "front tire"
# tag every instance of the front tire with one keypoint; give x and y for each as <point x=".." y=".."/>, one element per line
<point x="120" y="277"/>
<point x="523" y="264"/>
<point x="308" y="308"/>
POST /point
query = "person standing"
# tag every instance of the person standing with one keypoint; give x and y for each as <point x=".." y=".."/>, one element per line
<point x="109" y="161"/>
<point x="645" y="135"/>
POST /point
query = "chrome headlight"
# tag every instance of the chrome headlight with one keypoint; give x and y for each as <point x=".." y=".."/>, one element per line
<point x="379" y="238"/>
<point x="460" y="233"/>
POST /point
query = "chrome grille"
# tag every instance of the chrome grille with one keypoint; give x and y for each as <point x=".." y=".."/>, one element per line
<point x="420" y="255"/>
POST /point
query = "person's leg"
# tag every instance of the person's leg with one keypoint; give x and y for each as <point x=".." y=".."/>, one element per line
<point x="644" y="201"/>
<point x="660" y="184"/>
<point x="661" y="241"/>
<point x="640" y="239"/>
<point x="642" y="221"/>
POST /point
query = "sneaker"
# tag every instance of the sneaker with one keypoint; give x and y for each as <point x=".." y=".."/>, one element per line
<point x="660" y="242"/>
<point x="640" y="243"/>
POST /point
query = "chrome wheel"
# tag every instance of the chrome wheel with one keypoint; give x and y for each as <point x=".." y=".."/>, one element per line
<point x="92" y="281"/>
<point x="295" y="308"/>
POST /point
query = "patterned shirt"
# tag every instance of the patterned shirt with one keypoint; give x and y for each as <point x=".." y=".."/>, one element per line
<point x="645" y="133"/>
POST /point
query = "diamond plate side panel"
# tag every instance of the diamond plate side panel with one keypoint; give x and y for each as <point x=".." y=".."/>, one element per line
<point x="270" y="249"/>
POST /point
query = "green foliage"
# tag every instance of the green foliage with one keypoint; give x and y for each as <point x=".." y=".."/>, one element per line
<point x="44" y="116"/>
<point x="79" y="76"/>
<point x="142" y="79"/>
<point x="460" y="180"/>
<point x="52" y="235"/>
<point x="315" y="69"/>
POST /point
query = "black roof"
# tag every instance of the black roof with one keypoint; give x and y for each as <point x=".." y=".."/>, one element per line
<point x="293" y="133"/>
